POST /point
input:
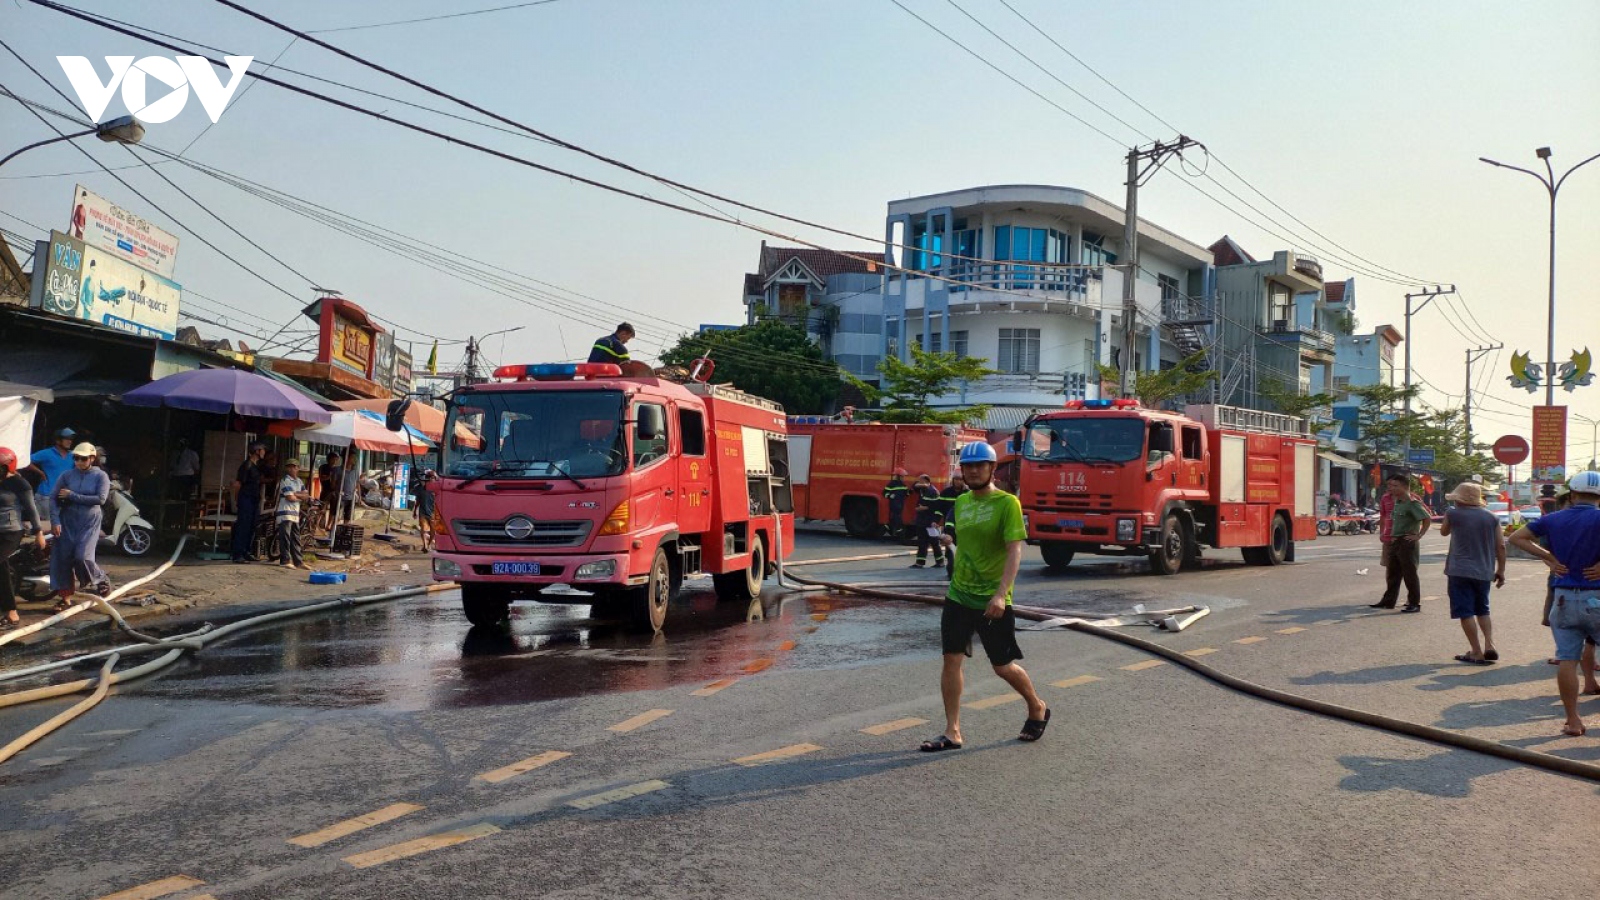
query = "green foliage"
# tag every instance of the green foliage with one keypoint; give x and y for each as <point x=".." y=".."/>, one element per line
<point x="769" y="359"/>
<point x="1156" y="389"/>
<point x="908" y="387"/>
<point x="1386" y="428"/>
<point x="1317" y="409"/>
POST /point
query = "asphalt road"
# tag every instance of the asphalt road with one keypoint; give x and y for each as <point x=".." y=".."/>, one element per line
<point x="769" y="752"/>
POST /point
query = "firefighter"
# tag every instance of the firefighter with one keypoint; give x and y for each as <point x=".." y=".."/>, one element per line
<point x="927" y="521"/>
<point x="613" y="348"/>
<point x="895" y="493"/>
<point x="943" y="509"/>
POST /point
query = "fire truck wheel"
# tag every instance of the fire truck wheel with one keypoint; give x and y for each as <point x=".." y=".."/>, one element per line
<point x="485" y="604"/>
<point x="1278" y="551"/>
<point x="1167" y="557"/>
<point x="861" y="518"/>
<point x="744" y="585"/>
<point x="648" y="602"/>
<point x="1057" y="556"/>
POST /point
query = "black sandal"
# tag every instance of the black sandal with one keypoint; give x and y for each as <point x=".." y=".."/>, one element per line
<point x="939" y="744"/>
<point x="1033" y="729"/>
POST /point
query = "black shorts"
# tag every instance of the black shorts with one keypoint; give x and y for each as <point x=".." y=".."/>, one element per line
<point x="959" y="623"/>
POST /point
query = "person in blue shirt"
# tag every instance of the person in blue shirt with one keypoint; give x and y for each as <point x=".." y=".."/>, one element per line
<point x="52" y="462"/>
<point x="1573" y="556"/>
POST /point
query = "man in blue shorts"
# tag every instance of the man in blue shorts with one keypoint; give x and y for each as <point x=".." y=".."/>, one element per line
<point x="979" y="599"/>
<point x="1574" y="557"/>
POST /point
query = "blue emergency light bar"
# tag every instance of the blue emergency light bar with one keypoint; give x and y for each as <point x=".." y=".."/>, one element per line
<point x="1103" y="404"/>
<point x="559" y="371"/>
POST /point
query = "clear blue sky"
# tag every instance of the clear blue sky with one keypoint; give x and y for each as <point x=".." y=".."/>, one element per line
<point x="1364" y="119"/>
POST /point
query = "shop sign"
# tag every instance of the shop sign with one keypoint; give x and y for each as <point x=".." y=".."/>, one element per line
<point x="122" y="233"/>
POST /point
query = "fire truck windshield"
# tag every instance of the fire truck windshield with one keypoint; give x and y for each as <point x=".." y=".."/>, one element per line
<point x="1085" y="439"/>
<point x="535" y="434"/>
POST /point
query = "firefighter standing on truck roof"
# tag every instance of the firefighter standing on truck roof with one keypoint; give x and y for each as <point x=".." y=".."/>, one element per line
<point x="613" y="348"/>
<point x="895" y="493"/>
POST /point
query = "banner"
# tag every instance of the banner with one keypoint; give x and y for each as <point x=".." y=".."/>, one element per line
<point x="352" y="346"/>
<point x="402" y="373"/>
<point x="86" y="283"/>
<point x="1549" y="444"/>
<point x="102" y="224"/>
<point x="383" y="361"/>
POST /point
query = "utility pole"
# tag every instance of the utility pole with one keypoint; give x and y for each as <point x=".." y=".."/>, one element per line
<point x="471" y="364"/>
<point x="1427" y="294"/>
<point x="1474" y="355"/>
<point x="1154" y="156"/>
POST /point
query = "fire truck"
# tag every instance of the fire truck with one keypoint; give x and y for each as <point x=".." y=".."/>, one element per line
<point x="618" y="486"/>
<point x="840" y="469"/>
<point x="1111" y="477"/>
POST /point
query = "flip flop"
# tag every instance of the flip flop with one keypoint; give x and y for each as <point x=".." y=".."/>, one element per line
<point x="1492" y="655"/>
<point x="1462" y="657"/>
<point x="939" y="744"/>
<point x="1033" y="729"/>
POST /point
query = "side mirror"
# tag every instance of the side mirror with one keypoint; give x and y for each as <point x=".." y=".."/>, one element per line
<point x="1161" y="440"/>
<point x="652" y="423"/>
<point x="395" y="418"/>
<point x="1017" y="441"/>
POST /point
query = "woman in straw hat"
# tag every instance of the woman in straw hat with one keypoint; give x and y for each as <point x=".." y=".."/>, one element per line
<point x="1477" y="559"/>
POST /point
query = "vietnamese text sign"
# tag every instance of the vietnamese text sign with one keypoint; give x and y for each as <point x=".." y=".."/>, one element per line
<point x="352" y="346"/>
<point x="402" y="373"/>
<point x="100" y="223"/>
<point x="1420" y="456"/>
<point x="88" y="284"/>
<point x="1549" y="443"/>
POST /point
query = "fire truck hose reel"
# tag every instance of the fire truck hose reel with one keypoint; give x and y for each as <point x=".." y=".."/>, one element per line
<point x="1546" y="761"/>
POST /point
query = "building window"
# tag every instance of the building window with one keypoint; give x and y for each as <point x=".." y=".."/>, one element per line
<point x="1169" y="287"/>
<point x="1019" y="351"/>
<point x="1092" y="250"/>
<point x="968" y="249"/>
<point x="958" y="342"/>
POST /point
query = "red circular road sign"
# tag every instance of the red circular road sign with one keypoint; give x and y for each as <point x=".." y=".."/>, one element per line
<point x="1511" y="450"/>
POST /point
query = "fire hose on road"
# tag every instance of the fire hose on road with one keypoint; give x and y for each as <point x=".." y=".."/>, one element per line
<point x="1548" y="762"/>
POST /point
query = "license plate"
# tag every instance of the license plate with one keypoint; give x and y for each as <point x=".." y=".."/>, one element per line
<point x="513" y="568"/>
<point x="1069" y="523"/>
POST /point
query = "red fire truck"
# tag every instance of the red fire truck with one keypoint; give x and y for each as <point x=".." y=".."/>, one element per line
<point x="840" y="469"/>
<point x="618" y="486"/>
<point x="1110" y="477"/>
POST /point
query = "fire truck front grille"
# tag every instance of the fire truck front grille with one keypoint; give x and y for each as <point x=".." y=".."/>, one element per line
<point x="1054" y="502"/>
<point x="490" y="533"/>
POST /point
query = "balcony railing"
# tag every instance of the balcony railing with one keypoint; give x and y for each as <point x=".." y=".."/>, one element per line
<point x="1184" y="310"/>
<point x="1317" y="340"/>
<point x="1047" y="278"/>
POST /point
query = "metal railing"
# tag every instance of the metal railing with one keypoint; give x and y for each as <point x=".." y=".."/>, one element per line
<point x="1014" y="276"/>
<point x="1322" y="340"/>
<point x="1242" y="419"/>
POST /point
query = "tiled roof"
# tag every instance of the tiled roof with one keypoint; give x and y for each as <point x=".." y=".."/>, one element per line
<point x="752" y="283"/>
<point x="1226" y="252"/>
<point x="822" y="262"/>
<point x="1333" y="291"/>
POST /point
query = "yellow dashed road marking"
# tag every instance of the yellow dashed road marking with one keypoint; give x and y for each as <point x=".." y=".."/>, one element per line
<point x="780" y="753"/>
<point x="1295" y="630"/>
<point x="896" y="725"/>
<point x="160" y="888"/>
<point x="819" y="617"/>
<point x="421" y="845"/>
<point x="786" y="646"/>
<point x="1075" y="681"/>
<point x="989" y="702"/>
<point x="641" y="720"/>
<point x="756" y="666"/>
<point x="1256" y="639"/>
<point x="621" y="793"/>
<point x="713" y="687"/>
<point x="1200" y="651"/>
<point x="527" y="765"/>
<point x="351" y="826"/>
<point x="1147" y="664"/>
<point x="1325" y="622"/>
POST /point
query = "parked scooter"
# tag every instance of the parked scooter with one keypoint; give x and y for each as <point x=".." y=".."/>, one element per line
<point x="30" y="568"/>
<point x="129" y="532"/>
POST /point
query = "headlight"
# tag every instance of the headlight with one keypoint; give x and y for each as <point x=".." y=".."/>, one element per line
<point x="446" y="568"/>
<point x="1127" y="529"/>
<point x="603" y="568"/>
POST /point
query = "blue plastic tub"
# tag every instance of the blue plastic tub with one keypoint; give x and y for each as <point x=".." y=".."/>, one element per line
<point x="327" y="577"/>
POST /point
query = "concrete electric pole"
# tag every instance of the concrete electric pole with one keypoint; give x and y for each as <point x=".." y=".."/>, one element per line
<point x="1474" y="355"/>
<point x="1428" y="294"/>
<point x="1152" y="157"/>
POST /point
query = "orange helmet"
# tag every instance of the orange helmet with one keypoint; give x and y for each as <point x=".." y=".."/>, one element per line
<point x="901" y="472"/>
<point x="8" y="460"/>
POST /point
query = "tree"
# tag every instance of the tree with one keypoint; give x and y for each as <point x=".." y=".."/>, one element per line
<point x="1156" y="389"/>
<point x="770" y="359"/>
<point x="1386" y="429"/>
<point x="1316" y="409"/>
<point x="909" y="387"/>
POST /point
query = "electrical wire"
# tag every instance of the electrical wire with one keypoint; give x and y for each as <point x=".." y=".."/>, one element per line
<point x="458" y="15"/>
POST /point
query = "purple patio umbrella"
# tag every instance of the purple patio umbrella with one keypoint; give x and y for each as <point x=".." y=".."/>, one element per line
<point x="228" y="391"/>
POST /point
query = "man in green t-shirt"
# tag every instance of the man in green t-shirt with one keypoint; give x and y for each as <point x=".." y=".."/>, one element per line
<point x="989" y="521"/>
<point x="1407" y="524"/>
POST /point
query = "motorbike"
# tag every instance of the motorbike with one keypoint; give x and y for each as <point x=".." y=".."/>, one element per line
<point x="30" y="568"/>
<point x="129" y="531"/>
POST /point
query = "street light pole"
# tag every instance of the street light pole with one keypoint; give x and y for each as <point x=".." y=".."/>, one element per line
<point x="124" y="130"/>
<point x="1552" y="185"/>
